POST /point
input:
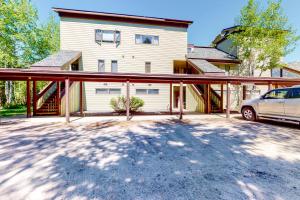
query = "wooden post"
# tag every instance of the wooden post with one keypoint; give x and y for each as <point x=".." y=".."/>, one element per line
<point x="128" y="100"/>
<point x="28" y="99"/>
<point x="270" y="86"/>
<point x="244" y="92"/>
<point x="222" y="98"/>
<point x="181" y="100"/>
<point x="81" y="97"/>
<point x="208" y="99"/>
<point x="171" y="98"/>
<point x="58" y="97"/>
<point x="67" y="100"/>
<point x="34" y="97"/>
<point x="228" y="101"/>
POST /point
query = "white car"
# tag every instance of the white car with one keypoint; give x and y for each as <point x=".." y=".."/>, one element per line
<point x="276" y="104"/>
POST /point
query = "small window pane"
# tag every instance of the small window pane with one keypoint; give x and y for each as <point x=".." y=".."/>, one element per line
<point x="141" y="91"/>
<point x="153" y="91"/>
<point x="114" y="66"/>
<point x="276" y="94"/>
<point x="98" y="35"/>
<point x="101" y="66"/>
<point x="147" y="39"/>
<point x="115" y="91"/>
<point x="148" y="67"/>
<point x="138" y="39"/>
<point x="156" y="40"/>
<point x="118" y="36"/>
<point x="108" y="36"/>
<point x="102" y="91"/>
<point x="295" y="93"/>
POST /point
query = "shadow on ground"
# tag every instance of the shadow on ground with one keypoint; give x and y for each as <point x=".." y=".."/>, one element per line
<point x="150" y="160"/>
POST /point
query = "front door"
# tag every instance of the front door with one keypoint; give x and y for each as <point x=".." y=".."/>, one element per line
<point x="272" y="103"/>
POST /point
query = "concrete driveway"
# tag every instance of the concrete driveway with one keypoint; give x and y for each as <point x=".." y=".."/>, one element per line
<point x="202" y="157"/>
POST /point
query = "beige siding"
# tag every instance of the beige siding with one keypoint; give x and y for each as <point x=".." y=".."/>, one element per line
<point x="79" y="34"/>
<point x="194" y="102"/>
<point x="74" y="99"/>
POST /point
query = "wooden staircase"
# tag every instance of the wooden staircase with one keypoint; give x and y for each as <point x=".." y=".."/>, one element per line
<point x="215" y="99"/>
<point x="50" y="106"/>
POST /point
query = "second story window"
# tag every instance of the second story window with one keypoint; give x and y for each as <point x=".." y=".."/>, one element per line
<point x="114" y="66"/>
<point x="107" y="36"/>
<point x="147" y="67"/>
<point x="146" y="39"/>
<point x="101" y="66"/>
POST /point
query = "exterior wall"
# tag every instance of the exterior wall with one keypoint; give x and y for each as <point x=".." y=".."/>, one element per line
<point x="74" y="94"/>
<point x="194" y="103"/>
<point x="79" y="35"/>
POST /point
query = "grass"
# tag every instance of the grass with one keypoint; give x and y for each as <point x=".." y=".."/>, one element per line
<point x="12" y="111"/>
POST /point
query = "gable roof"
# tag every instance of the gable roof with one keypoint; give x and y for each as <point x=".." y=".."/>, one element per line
<point x="63" y="12"/>
<point x="58" y="60"/>
<point x="211" y="54"/>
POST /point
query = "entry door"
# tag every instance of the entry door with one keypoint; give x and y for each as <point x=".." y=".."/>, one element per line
<point x="272" y="103"/>
<point x="292" y="103"/>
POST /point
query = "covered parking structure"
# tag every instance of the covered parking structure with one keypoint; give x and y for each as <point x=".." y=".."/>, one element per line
<point x="31" y="76"/>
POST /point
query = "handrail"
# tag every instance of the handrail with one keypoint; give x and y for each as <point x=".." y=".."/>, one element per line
<point x="44" y="90"/>
<point x="197" y="91"/>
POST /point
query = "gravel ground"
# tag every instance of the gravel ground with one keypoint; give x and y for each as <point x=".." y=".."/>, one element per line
<point x="163" y="158"/>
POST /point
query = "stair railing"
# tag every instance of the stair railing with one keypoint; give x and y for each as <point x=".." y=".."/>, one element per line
<point x="45" y="94"/>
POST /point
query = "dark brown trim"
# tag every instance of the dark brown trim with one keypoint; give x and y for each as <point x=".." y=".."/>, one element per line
<point x="122" y="18"/>
<point x="81" y="97"/>
<point x="19" y="74"/>
<point x="28" y="98"/>
<point x="171" y="98"/>
<point x="34" y="97"/>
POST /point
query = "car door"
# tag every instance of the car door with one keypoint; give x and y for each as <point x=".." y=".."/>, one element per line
<point x="272" y="103"/>
<point x="292" y="103"/>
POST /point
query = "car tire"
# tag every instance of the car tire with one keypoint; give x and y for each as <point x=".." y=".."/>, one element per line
<point x="249" y="114"/>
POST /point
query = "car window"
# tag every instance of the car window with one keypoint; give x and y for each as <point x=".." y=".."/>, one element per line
<point x="294" y="93"/>
<point x="277" y="94"/>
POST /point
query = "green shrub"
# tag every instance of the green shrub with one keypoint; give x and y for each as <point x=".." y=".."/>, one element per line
<point x="119" y="104"/>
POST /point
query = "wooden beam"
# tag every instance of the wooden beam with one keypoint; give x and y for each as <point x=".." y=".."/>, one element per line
<point x="222" y="98"/>
<point x="34" y="97"/>
<point x="67" y="84"/>
<point x="270" y="86"/>
<point x="244" y="92"/>
<point x="208" y="99"/>
<point x="28" y="99"/>
<point x="81" y="97"/>
<point x="58" y="97"/>
<point x="127" y="100"/>
<point x="181" y="100"/>
<point x="171" y="98"/>
<point x="228" y="100"/>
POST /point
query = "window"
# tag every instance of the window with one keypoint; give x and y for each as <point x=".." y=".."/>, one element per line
<point x="147" y="67"/>
<point x="101" y="66"/>
<point x="294" y="93"/>
<point x="146" y="39"/>
<point x="114" y="66"/>
<point x="108" y="36"/>
<point x="146" y="91"/>
<point x="277" y="94"/>
<point x="108" y="91"/>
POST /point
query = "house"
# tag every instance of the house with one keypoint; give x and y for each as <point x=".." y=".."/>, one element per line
<point x="117" y="43"/>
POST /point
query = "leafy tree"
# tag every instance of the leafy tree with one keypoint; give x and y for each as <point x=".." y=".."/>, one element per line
<point x="22" y="42"/>
<point x="263" y="37"/>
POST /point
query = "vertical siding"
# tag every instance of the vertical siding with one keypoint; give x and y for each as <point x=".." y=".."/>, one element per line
<point x="194" y="103"/>
<point x="74" y="94"/>
<point x="79" y="35"/>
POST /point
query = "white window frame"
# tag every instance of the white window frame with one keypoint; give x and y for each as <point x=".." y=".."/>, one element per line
<point x="111" y="66"/>
<point x="103" y="65"/>
<point x="99" y="36"/>
<point x="108" y="91"/>
<point x="148" y="64"/>
<point x="146" y="91"/>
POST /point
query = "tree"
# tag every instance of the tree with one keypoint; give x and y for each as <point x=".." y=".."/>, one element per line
<point x="22" y="42"/>
<point x="263" y="37"/>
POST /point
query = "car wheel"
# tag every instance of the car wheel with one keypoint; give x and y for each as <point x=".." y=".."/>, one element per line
<point x="249" y="114"/>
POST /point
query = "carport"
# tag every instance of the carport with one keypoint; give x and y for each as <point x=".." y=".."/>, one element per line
<point x="31" y="76"/>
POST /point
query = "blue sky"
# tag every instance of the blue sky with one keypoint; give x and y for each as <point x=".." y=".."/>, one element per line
<point x="209" y="16"/>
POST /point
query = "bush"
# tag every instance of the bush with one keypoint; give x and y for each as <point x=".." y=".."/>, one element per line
<point x="119" y="104"/>
<point x="13" y="106"/>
